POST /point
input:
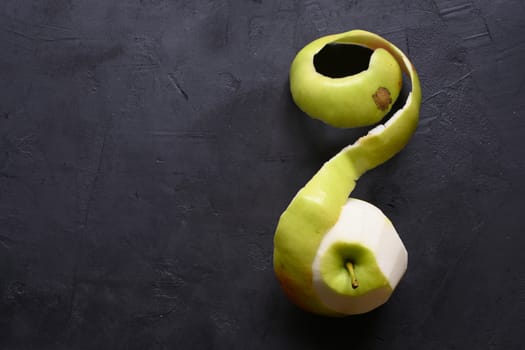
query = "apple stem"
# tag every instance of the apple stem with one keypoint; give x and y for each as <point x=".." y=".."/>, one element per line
<point x="350" y="268"/>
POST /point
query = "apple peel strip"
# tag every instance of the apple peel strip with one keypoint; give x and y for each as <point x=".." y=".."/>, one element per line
<point x="323" y="206"/>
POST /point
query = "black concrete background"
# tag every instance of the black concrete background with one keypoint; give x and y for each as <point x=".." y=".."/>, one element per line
<point x="148" y="147"/>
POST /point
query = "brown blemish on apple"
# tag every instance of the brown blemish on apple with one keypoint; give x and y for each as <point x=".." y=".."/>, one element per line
<point x="382" y="98"/>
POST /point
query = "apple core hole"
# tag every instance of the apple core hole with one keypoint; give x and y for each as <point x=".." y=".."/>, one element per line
<point x="336" y="60"/>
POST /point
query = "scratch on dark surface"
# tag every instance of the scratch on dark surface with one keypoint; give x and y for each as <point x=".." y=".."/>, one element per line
<point x="459" y="80"/>
<point x="155" y="316"/>
<point x="4" y="240"/>
<point x="280" y="158"/>
<point x="184" y="134"/>
<point x="425" y="10"/>
<point x="48" y="26"/>
<point x="95" y="179"/>
<point x="488" y="28"/>
<point x="440" y="91"/>
<point x="449" y="11"/>
<point x="38" y="38"/>
<point x="136" y="67"/>
<point x="478" y="226"/>
<point x="177" y="86"/>
<point x="227" y="29"/>
<point x="477" y="35"/>
<point x="391" y="31"/>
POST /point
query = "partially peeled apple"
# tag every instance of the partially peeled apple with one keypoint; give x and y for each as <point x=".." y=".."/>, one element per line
<point x="360" y="260"/>
<point x="336" y="255"/>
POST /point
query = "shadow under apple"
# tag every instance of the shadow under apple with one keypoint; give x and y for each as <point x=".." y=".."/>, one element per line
<point x="319" y="332"/>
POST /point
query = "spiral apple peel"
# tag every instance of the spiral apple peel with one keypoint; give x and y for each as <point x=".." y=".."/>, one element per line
<point x="336" y="255"/>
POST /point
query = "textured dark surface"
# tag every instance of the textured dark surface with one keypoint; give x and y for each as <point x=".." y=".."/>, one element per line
<point x="148" y="147"/>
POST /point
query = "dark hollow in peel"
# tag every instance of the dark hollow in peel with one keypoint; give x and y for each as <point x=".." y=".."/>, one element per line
<point x="336" y="60"/>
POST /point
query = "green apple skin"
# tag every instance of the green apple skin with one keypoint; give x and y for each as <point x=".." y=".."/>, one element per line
<point x="344" y="102"/>
<point x="316" y="207"/>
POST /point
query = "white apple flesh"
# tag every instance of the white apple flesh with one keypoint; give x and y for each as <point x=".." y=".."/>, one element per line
<point x="360" y="260"/>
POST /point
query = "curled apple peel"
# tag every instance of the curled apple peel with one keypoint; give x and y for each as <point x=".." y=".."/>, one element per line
<point x="336" y="255"/>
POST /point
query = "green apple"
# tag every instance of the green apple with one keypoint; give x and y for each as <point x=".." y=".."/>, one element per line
<point x="334" y="255"/>
<point x="360" y="260"/>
